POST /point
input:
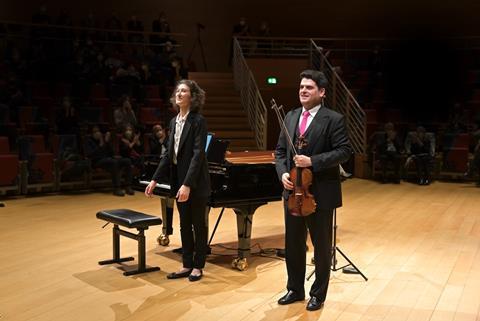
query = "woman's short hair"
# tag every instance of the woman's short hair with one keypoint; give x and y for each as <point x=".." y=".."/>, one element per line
<point x="197" y="94"/>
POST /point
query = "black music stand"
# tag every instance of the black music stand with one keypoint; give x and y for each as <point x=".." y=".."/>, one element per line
<point x="198" y="41"/>
<point x="349" y="268"/>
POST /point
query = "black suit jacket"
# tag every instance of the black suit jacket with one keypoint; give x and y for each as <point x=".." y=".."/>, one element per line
<point x="328" y="146"/>
<point x="192" y="166"/>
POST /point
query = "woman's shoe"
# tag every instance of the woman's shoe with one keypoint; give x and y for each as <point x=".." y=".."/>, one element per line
<point x="193" y="278"/>
<point x="175" y="275"/>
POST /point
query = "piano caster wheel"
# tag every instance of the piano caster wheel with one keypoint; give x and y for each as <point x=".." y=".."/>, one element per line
<point x="240" y="264"/>
<point x="163" y="240"/>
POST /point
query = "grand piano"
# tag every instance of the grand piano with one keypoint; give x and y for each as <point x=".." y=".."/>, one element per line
<point x="242" y="181"/>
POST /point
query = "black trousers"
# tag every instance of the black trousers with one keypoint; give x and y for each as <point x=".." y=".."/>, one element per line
<point x="393" y="158"/>
<point x="422" y="163"/>
<point x="193" y="232"/>
<point x="319" y="225"/>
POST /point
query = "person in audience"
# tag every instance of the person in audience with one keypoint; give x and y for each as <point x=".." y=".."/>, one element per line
<point x="67" y="120"/>
<point x="89" y="22"/>
<point x="99" y="150"/>
<point x="420" y="150"/>
<point x="131" y="147"/>
<point x="474" y="164"/>
<point x="241" y="29"/>
<point x="128" y="75"/>
<point x="389" y="151"/>
<point x="135" y="25"/>
<point x="114" y="23"/>
<point x="160" y="25"/>
<point x="42" y="16"/>
<point x="158" y="141"/>
<point x="124" y="115"/>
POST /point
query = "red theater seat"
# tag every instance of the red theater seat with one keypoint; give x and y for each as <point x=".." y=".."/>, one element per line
<point x="10" y="172"/>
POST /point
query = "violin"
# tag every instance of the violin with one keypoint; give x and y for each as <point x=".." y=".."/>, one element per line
<point x="300" y="201"/>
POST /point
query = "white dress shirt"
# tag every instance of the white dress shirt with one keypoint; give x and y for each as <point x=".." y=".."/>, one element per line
<point x="179" y="124"/>
<point x="312" y="112"/>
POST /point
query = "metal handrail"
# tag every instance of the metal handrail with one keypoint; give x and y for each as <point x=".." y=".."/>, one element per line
<point x="250" y="96"/>
<point x="341" y="99"/>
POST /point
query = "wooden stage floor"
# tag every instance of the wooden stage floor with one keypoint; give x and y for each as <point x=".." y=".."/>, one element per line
<point x="418" y="245"/>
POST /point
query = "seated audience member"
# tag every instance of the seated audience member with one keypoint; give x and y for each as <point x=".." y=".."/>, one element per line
<point x="131" y="147"/>
<point x="160" y="25"/>
<point x="389" y="151"/>
<point x="124" y="115"/>
<point x="420" y="147"/>
<point x="474" y="165"/>
<point x="158" y="141"/>
<point x="99" y="149"/>
<point x="67" y="120"/>
<point x="135" y="25"/>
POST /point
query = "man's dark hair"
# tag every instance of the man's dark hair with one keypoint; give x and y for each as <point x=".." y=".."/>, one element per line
<point x="317" y="76"/>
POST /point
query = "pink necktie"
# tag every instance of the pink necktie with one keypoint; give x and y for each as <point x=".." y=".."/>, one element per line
<point x="303" y="124"/>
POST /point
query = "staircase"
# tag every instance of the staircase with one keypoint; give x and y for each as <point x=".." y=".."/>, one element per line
<point x="225" y="115"/>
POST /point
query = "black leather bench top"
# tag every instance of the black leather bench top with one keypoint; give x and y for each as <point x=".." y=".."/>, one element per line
<point x="129" y="218"/>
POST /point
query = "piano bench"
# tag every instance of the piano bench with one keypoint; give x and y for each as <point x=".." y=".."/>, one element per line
<point x="129" y="219"/>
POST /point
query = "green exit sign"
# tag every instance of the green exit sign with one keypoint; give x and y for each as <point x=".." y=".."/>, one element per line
<point x="272" y="80"/>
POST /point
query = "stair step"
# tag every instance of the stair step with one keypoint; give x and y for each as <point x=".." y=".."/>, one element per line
<point x="216" y="82"/>
<point x="223" y="112"/>
<point x="226" y="127"/>
<point x="233" y="134"/>
<point x="221" y="99"/>
<point x="219" y="90"/>
<point x="225" y="105"/>
<point x="209" y="75"/>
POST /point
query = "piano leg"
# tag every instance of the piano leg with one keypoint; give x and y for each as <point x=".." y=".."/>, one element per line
<point x="166" y="204"/>
<point x="244" y="228"/>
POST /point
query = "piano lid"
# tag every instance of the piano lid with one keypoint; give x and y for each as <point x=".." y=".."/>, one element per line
<point x="251" y="157"/>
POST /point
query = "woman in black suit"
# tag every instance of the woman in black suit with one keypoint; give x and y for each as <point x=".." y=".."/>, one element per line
<point x="186" y="165"/>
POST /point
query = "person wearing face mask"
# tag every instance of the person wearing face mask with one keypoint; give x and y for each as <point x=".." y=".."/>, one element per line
<point x="131" y="147"/>
<point x="98" y="148"/>
<point x="390" y="151"/>
<point x="185" y="164"/>
<point x="420" y="148"/>
<point x="327" y="147"/>
<point x="124" y="115"/>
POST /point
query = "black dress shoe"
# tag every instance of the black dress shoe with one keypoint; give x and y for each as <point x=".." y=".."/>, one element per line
<point x="129" y="191"/>
<point x="291" y="297"/>
<point x="314" y="304"/>
<point x="175" y="275"/>
<point x="193" y="278"/>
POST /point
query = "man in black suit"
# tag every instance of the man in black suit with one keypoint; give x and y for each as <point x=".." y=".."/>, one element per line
<point x="327" y="147"/>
